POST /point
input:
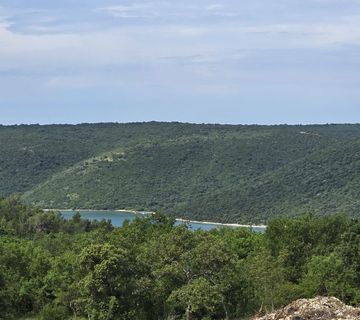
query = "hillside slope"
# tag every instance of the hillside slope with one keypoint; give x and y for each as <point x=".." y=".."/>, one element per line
<point x="210" y="172"/>
<point x="324" y="182"/>
<point x="30" y="154"/>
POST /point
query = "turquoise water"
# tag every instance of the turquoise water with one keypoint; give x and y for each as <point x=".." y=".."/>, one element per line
<point x="118" y="218"/>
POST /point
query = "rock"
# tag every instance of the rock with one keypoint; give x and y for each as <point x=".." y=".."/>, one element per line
<point x="319" y="308"/>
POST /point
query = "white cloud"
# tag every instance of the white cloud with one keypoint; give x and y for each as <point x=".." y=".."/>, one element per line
<point x="197" y="53"/>
<point x="120" y="46"/>
<point x="86" y="80"/>
<point x="130" y="11"/>
<point x="307" y="35"/>
<point x="216" y="6"/>
<point x="145" y="44"/>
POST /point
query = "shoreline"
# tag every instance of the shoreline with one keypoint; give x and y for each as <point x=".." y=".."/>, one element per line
<point x="146" y="213"/>
<point x="235" y="225"/>
<point x="103" y="210"/>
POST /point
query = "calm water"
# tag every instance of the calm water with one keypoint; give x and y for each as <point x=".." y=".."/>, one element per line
<point x="117" y="218"/>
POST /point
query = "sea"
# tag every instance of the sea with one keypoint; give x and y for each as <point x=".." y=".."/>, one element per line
<point x="118" y="218"/>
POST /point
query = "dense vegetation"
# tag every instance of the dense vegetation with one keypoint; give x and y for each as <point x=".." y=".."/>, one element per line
<point x="150" y="269"/>
<point x="210" y="172"/>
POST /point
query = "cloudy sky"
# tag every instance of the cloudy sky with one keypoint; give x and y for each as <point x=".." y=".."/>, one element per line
<point x="228" y="61"/>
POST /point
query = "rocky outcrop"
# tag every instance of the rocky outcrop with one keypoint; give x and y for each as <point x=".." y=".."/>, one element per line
<point x="319" y="308"/>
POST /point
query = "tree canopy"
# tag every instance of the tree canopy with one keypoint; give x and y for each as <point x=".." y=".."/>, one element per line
<point x="51" y="268"/>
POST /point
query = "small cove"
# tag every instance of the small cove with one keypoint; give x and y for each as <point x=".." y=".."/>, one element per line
<point x="118" y="217"/>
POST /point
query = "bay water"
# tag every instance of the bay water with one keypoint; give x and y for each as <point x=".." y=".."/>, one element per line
<point x="118" y="218"/>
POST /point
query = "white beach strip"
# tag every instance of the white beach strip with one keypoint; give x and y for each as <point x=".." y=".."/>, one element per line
<point x="146" y="213"/>
<point x="103" y="210"/>
<point x="236" y="225"/>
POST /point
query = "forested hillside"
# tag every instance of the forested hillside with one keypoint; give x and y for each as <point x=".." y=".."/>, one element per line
<point x="210" y="172"/>
<point x="56" y="269"/>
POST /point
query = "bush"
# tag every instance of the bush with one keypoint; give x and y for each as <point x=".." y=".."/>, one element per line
<point x="54" y="312"/>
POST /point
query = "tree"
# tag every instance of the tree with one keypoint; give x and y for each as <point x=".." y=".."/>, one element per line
<point x="106" y="285"/>
<point x="199" y="298"/>
<point x="328" y="275"/>
<point x="268" y="276"/>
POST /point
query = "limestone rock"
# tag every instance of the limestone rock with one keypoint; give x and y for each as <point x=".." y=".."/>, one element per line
<point x="319" y="308"/>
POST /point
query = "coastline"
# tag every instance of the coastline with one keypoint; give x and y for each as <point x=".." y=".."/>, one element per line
<point x="103" y="210"/>
<point x="146" y="213"/>
<point x="235" y="225"/>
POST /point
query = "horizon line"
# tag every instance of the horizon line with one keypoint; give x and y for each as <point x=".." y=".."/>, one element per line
<point x="177" y="122"/>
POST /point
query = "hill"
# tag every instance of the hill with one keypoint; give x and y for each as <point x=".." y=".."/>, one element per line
<point x="212" y="172"/>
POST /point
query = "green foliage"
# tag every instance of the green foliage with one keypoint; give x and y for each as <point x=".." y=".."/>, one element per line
<point x="211" y="172"/>
<point x="328" y="275"/>
<point x="199" y="297"/>
<point x="54" y="312"/>
<point x="268" y="275"/>
<point x="107" y="283"/>
<point x="51" y="268"/>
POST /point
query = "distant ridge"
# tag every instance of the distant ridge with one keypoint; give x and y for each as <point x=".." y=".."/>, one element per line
<point x="224" y="173"/>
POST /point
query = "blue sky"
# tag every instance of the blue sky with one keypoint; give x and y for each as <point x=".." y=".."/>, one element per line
<point x="228" y="61"/>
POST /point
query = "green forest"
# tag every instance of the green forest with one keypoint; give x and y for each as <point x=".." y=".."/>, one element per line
<point x="51" y="268"/>
<point x="222" y="173"/>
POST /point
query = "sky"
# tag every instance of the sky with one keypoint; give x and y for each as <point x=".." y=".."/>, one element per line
<point x="202" y="61"/>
